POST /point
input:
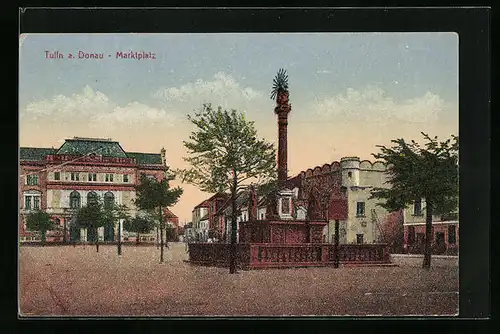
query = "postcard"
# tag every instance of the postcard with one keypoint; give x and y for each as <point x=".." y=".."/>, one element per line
<point x="238" y="174"/>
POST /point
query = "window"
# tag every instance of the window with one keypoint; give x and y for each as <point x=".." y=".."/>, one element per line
<point x="359" y="238"/>
<point x="125" y="178"/>
<point x="360" y="209"/>
<point x="349" y="174"/>
<point x="32" y="179"/>
<point x="411" y="235"/>
<point x="74" y="200"/>
<point x="92" y="177"/>
<point x="262" y="215"/>
<point x="440" y="238"/>
<point x="27" y="202"/>
<point x="417" y="207"/>
<point x="92" y="198"/>
<point x="420" y="238"/>
<point x="452" y="234"/>
<point x="57" y="176"/>
<point x="32" y="201"/>
<point x="109" y="199"/>
<point x="285" y="206"/>
<point x="109" y="177"/>
<point x="75" y="176"/>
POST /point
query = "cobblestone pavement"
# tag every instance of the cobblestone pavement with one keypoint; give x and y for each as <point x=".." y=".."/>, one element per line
<point x="78" y="281"/>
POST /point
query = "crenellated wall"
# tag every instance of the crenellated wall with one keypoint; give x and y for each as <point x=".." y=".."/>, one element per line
<point x="340" y="186"/>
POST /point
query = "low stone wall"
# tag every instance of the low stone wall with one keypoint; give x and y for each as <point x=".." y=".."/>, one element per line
<point x="415" y="260"/>
<point x="266" y="255"/>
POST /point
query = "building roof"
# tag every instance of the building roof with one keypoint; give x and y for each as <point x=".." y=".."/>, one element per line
<point x="35" y="153"/>
<point x="169" y="214"/>
<point x="145" y="158"/>
<point x="83" y="146"/>
<point x="242" y="199"/>
<point x="203" y="204"/>
<point x="294" y="182"/>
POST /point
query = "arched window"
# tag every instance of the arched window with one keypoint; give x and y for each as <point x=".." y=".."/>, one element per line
<point x="74" y="200"/>
<point x="91" y="198"/>
<point x="109" y="198"/>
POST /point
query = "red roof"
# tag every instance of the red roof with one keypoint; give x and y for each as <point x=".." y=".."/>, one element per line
<point x="202" y="204"/>
<point x="169" y="214"/>
<point x="206" y="202"/>
<point x="294" y="182"/>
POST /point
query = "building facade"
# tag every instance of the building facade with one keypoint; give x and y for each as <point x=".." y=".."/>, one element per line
<point x="62" y="180"/>
<point x="200" y="221"/>
<point x="205" y="218"/>
<point x="445" y="236"/>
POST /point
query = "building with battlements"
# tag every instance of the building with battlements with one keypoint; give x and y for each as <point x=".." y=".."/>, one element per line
<point x="340" y="190"/>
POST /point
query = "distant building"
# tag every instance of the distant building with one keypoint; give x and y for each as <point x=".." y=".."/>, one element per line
<point x="444" y="230"/>
<point x="189" y="233"/>
<point x="204" y="218"/>
<point x="62" y="180"/>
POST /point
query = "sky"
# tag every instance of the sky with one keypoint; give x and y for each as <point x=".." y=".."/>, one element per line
<point x="349" y="92"/>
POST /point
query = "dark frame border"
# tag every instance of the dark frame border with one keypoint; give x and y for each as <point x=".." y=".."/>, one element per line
<point x="471" y="24"/>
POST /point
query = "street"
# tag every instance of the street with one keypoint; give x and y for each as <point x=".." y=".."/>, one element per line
<point x="78" y="281"/>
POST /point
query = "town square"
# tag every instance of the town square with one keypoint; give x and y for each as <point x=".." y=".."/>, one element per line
<point x="239" y="181"/>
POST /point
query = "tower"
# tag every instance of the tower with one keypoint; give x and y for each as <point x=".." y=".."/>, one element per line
<point x="350" y="171"/>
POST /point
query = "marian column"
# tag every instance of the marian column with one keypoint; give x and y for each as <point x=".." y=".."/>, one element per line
<point x="280" y="91"/>
<point x="282" y="109"/>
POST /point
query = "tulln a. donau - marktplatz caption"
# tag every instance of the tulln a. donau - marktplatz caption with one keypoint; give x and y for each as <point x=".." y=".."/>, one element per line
<point x="137" y="55"/>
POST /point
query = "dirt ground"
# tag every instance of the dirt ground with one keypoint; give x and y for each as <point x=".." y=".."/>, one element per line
<point x="78" y="281"/>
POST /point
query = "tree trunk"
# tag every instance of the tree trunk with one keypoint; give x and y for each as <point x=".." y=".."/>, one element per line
<point x="336" y="245"/>
<point x="234" y="227"/>
<point x="137" y="239"/>
<point x="157" y="238"/>
<point x="119" y="237"/>
<point x="65" y="231"/>
<point x="97" y="239"/>
<point x="43" y="238"/>
<point x="161" y="236"/>
<point x="428" y="235"/>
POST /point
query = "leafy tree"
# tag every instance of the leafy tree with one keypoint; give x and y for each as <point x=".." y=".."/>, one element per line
<point x="92" y="216"/>
<point x="171" y="234"/>
<point x="427" y="172"/>
<point x="224" y="153"/>
<point x="156" y="195"/>
<point x="392" y="231"/>
<point x="139" y="225"/>
<point x="40" y="221"/>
